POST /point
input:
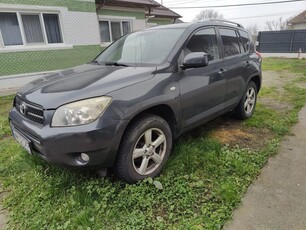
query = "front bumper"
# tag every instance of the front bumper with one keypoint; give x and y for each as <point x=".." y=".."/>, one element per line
<point x="63" y="145"/>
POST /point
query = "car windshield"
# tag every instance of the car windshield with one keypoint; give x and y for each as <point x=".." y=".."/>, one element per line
<point x="148" y="47"/>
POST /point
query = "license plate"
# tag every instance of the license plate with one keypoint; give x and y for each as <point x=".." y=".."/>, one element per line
<point x="24" y="142"/>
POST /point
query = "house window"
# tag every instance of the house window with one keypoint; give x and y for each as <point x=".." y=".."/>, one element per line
<point x="126" y="27"/>
<point x="116" y="30"/>
<point x="9" y="28"/>
<point x="53" y="30"/>
<point x="112" y="30"/>
<point x="30" y="28"/>
<point x="104" y="31"/>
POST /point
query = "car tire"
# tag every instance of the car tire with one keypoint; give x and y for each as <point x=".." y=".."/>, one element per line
<point x="144" y="149"/>
<point x="246" y="107"/>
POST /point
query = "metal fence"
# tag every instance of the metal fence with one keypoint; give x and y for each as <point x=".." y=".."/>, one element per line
<point x="284" y="41"/>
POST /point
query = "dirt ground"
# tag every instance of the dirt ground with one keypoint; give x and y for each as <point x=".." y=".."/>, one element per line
<point x="232" y="132"/>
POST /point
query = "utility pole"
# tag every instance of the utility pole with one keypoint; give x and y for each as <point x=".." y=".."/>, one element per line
<point x="161" y="2"/>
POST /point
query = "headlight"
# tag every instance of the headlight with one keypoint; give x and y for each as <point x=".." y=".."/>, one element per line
<point x="80" y="112"/>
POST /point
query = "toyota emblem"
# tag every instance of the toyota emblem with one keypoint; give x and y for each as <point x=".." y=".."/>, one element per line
<point x="23" y="108"/>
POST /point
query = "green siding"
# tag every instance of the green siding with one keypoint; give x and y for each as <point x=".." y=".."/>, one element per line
<point x="38" y="61"/>
<point x="73" y="5"/>
<point x="160" y="21"/>
<point x="137" y="15"/>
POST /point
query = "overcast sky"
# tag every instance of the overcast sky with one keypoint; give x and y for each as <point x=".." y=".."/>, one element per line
<point x="246" y="15"/>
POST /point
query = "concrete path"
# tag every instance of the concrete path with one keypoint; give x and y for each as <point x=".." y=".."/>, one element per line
<point x="10" y="84"/>
<point x="277" y="200"/>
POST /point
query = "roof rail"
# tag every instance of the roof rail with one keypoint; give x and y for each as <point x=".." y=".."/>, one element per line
<point x="221" y="20"/>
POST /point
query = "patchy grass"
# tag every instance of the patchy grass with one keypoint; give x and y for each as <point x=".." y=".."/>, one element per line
<point x="279" y="121"/>
<point x="5" y="106"/>
<point x="282" y="64"/>
<point x="206" y="176"/>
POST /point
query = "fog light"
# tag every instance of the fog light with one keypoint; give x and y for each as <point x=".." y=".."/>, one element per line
<point x="84" y="157"/>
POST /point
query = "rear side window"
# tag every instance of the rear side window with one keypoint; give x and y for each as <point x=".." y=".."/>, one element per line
<point x="230" y="42"/>
<point x="245" y="40"/>
<point x="204" y="40"/>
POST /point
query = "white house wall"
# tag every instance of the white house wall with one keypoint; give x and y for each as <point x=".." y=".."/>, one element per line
<point x="300" y="26"/>
<point x="139" y="24"/>
<point x="78" y="28"/>
<point x="81" y="28"/>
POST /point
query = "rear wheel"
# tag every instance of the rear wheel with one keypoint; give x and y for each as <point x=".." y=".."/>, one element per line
<point x="246" y="107"/>
<point x="144" y="149"/>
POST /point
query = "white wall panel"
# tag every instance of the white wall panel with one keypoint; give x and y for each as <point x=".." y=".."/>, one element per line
<point x="81" y="28"/>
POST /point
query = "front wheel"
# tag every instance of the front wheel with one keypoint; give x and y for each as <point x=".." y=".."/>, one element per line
<point x="144" y="149"/>
<point x="246" y="107"/>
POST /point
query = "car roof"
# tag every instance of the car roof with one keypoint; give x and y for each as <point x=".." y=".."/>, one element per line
<point x="194" y="25"/>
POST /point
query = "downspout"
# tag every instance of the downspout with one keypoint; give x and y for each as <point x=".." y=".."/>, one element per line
<point x="147" y="17"/>
<point x="101" y="4"/>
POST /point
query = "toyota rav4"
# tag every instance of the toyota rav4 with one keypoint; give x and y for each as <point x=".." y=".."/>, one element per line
<point x="123" y="109"/>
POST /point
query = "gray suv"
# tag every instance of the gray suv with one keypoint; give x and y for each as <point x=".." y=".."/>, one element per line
<point x="122" y="110"/>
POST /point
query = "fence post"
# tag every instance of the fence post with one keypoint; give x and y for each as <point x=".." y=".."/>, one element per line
<point x="300" y="54"/>
<point x="259" y="41"/>
<point x="292" y="40"/>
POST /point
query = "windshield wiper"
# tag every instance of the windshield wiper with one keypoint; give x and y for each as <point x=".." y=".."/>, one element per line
<point x="94" y="62"/>
<point x="115" y="64"/>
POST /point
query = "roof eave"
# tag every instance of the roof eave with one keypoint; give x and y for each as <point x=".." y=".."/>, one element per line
<point x="126" y="4"/>
<point x="165" y="16"/>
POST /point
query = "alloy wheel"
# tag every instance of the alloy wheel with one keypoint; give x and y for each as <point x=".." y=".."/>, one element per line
<point x="149" y="151"/>
<point x="250" y="99"/>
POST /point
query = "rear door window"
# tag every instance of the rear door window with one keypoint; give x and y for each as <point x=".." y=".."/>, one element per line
<point x="245" y="40"/>
<point x="230" y="42"/>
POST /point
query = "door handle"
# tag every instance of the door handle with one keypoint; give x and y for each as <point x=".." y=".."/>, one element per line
<point x="221" y="71"/>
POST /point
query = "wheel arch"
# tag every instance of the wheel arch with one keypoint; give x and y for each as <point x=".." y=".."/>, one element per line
<point x="164" y="111"/>
<point x="257" y="80"/>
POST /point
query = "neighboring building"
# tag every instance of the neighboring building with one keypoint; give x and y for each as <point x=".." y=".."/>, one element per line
<point x="118" y="17"/>
<point x="39" y="35"/>
<point x="161" y="16"/>
<point x="298" y="22"/>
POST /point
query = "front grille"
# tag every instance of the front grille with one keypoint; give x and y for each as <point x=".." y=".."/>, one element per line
<point x="33" y="112"/>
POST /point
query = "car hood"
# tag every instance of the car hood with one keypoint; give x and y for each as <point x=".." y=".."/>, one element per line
<point x="82" y="82"/>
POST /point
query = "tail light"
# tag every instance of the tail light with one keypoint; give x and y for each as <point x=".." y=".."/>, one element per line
<point x="259" y="56"/>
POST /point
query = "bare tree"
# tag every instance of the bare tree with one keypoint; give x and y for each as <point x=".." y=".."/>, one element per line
<point x="206" y="14"/>
<point x="279" y="24"/>
<point x="253" y="30"/>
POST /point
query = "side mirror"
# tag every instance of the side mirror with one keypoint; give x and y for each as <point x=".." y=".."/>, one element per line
<point x="195" y="60"/>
